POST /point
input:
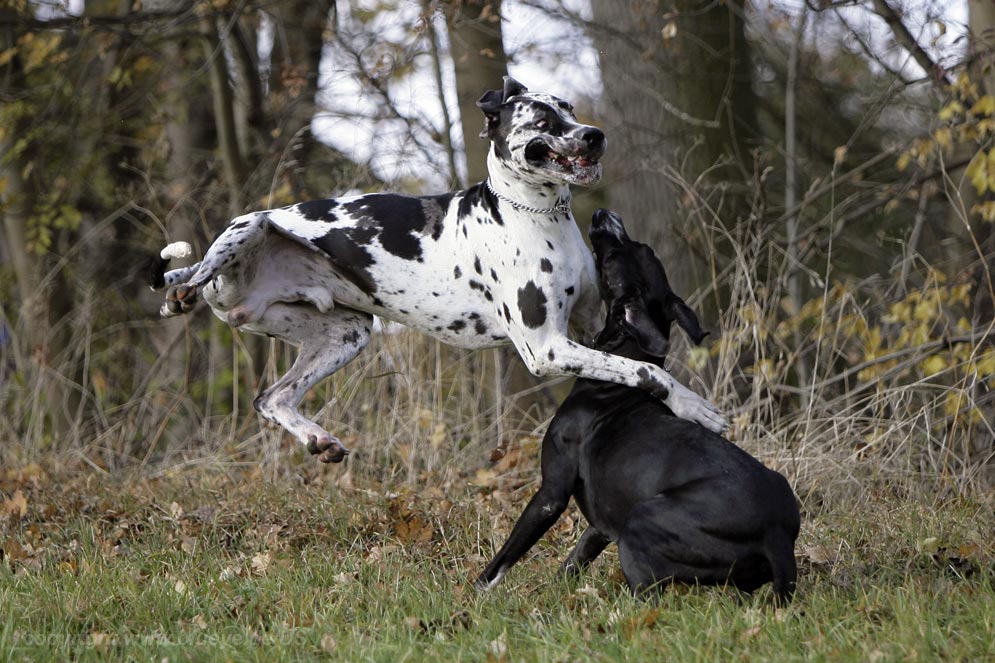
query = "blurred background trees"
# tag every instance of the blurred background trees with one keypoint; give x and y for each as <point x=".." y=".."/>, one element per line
<point x="817" y="177"/>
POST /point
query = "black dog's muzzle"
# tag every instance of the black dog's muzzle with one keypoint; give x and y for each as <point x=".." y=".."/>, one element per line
<point x="606" y="224"/>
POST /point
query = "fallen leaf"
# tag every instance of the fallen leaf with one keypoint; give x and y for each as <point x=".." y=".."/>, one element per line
<point x="69" y="566"/>
<point x="638" y="622"/>
<point x="439" y="435"/>
<point x="377" y="553"/>
<point x="228" y="573"/>
<point x="414" y="529"/>
<point x="409" y="525"/>
<point x="968" y="550"/>
<point x="13" y="550"/>
<point x="497" y="649"/>
<point x="749" y="633"/>
<point x="344" y="578"/>
<point x="485" y="478"/>
<point x="188" y="545"/>
<point x="15" y="506"/>
<point x="261" y="562"/>
<point x="818" y="554"/>
<point x="328" y="644"/>
<point x="929" y="545"/>
<point x="101" y="641"/>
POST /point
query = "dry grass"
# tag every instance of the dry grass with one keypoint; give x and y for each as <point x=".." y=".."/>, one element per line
<point x="839" y="393"/>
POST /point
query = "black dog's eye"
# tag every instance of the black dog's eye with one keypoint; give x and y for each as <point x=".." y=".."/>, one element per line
<point x="541" y="124"/>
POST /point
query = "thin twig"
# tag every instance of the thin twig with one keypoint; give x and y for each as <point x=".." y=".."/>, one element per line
<point x="909" y="43"/>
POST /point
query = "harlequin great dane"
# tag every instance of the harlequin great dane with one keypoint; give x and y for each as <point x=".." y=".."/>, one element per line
<point x="500" y="262"/>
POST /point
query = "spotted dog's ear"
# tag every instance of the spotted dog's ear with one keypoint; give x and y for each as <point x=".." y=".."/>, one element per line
<point x="640" y="324"/>
<point x="686" y="318"/>
<point x="512" y="88"/>
<point x="492" y="101"/>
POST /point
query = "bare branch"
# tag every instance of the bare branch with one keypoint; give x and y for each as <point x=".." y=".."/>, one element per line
<point x="909" y="43"/>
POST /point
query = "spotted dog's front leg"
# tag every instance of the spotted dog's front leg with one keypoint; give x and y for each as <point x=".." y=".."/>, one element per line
<point x="328" y="341"/>
<point x="560" y="355"/>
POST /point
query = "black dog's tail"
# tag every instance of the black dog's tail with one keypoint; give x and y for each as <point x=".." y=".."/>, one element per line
<point x="779" y="547"/>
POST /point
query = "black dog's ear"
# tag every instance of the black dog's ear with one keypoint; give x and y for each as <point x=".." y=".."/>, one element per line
<point x="686" y="318"/>
<point x="640" y="324"/>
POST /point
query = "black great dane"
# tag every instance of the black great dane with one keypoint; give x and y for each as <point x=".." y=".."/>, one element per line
<point x="501" y="262"/>
<point x="683" y="503"/>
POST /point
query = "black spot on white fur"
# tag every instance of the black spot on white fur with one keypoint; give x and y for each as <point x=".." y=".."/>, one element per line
<point x="532" y="305"/>
<point x="349" y="253"/>
<point x="399" y="221"/>
<point x="478" y="197"/>
<point x="317" y="210"/>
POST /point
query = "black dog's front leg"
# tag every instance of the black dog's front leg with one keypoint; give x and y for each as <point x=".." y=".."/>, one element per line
<point x="591" y="544"/>
<point x="544" y="509"/>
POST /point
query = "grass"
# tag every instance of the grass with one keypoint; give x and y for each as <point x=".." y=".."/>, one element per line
<point x="220" y="563"/>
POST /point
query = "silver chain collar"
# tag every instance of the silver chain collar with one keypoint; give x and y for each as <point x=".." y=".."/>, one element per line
<point x="563" y="207"/>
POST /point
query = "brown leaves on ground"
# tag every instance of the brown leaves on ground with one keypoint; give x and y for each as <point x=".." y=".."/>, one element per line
<point x="14" y="507"/>
<point x="410" y="524"/>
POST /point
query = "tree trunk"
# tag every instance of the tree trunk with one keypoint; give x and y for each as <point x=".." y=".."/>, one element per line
<point x="302" y="29"/>
<point x="480" y="62"/>
<point x="981" y="47"/>
<point x="677" y="101"/>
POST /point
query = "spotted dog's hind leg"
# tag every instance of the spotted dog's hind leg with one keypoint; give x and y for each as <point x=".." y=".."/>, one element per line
<point x="240" y="239"/>
<point x="174" y="306"/>
<point x="328" y="341"/>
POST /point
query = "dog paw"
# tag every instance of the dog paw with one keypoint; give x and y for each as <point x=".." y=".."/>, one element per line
<point x="327" y="448"/>
<point x="180" y="299"/>
<point x="688" y="405"/>
<point x="481" y="584"/>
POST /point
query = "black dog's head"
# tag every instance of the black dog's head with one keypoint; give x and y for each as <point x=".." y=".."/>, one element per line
<point x="641" y="305"/>
<point x="538" y="136"/>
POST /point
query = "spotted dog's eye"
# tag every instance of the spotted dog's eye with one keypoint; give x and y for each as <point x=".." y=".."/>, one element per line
<point x="541" y="124"/>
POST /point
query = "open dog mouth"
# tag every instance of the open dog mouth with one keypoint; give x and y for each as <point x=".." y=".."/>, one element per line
<point x="539" y="153"/>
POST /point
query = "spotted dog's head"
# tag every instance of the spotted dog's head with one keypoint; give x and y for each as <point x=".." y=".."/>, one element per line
<point x="538" y="136"/>
<point x="641" y="305"/>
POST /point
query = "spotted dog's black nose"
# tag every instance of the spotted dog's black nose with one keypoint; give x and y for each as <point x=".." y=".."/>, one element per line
<point x="594" y="138"/>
